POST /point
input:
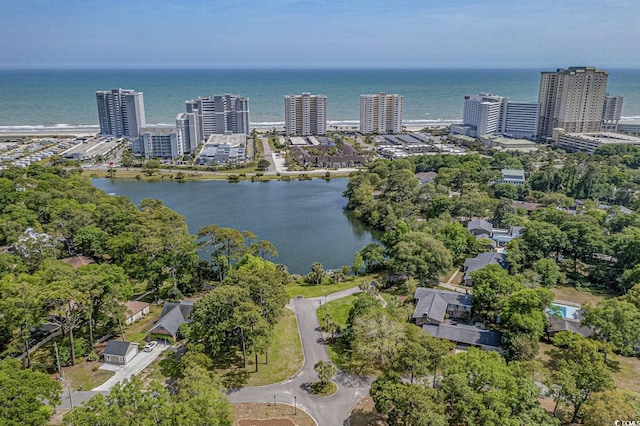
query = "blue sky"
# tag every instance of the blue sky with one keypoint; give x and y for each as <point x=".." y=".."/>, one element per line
<point x="319" y="33"/>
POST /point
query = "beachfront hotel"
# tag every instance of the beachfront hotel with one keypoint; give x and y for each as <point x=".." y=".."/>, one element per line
<point x="487" y="114"/>
<point x="188" y="125"/>
<point x="305" y="115"/>
<point x="611" y="113"/>
<point x="219" y="115"/>
<point x="381" y="113"/>
<point x="572" y="99"/>
<point x="120" y="112"/>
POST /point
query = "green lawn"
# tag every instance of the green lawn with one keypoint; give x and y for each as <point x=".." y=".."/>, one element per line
<point x="310" y="290"/>
<point x="338" y="309"/>
<point x="307" y="290"/>
<point x="285" y="358"/>
<point x="82" y="376"/>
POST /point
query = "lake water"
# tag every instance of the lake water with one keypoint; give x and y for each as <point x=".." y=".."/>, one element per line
<point x="305" y="220"/>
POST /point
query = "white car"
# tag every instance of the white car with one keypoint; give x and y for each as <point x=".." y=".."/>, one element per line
<point x="149" y="347"/>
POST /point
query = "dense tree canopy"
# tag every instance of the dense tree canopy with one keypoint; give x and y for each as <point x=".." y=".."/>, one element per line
<point x="24" y="394"/>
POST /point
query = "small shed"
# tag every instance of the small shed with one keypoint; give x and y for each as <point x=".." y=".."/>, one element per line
<point x="119" y="353"/>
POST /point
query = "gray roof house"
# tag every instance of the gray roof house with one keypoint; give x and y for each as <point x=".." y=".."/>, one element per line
<point x="466" y="335"/>
<point x="480" y="226"/>
<point x="435" y="305"/>
<point x="483" y="259"/>
<point x="119" y="353"/>
<point x="173" y="315"/>
<point x="557" y="325"/>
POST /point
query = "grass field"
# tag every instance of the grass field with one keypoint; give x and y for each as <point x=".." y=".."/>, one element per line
<point x="285" y="358"/>
<point x="625" y="370"/>
<point x="307" y="290"/>
<point x="576" y="295"/>
<point x="310" y="290"/>
<point x="338" y="309"/>
<point x="82" y="376"/>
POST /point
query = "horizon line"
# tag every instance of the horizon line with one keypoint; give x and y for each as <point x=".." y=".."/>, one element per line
<point x="277" y="68"/>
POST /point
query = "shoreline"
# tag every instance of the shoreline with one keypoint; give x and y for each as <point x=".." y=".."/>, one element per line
<point x="85" y="131"/>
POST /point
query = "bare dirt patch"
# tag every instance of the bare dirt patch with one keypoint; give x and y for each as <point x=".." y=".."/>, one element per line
<point x="270" y="422"/>
<point x="270" y="415"/>
<point x="365" y="414"/>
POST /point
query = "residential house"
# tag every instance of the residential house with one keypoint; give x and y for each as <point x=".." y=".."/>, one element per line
<point x="467" y="335"/>
<point x="448" y="315"/>
<point x="483" y="259"/>
<point x="480" y="228"/>
<point x="503" y="236"/>
<point x="434" y="305"/>
<point x="135" y="311"/>
<point x="173" y="315"/>
<point x="119" y="353"/>
<point x="557" y="325"/>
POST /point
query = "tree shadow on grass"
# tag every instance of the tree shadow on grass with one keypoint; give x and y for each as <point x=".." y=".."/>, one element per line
<point x="234" y="376"/>
<point x="613" y="364"/>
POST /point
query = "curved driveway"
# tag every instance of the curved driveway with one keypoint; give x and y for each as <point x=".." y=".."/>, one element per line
<point x="327" y="411"/>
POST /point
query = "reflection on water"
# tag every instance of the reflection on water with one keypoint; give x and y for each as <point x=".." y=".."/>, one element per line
<point x="305" y="220"/>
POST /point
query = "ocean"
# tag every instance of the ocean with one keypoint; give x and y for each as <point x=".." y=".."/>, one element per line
<point x="49" y="100"/>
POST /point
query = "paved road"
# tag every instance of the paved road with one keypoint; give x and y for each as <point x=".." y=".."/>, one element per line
<point x="268" y="155"/>
<point x="327" y="411"/>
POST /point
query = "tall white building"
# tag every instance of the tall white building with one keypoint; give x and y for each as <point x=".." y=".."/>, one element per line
<point x="521" y="120"/>
<point x="572" y="99"/>
<point x="219" y="115"/>
<point x="158" y="142"/>
<point x="305" y="114"/>
<point x="381" y="113"/>
<point x="120" y="112"/>
<point x="188" y="126"/>
<point x="611" y="112"/>
<point x="485" y="114"/>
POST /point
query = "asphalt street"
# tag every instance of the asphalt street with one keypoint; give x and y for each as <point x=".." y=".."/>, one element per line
<point x="330" y="411"/>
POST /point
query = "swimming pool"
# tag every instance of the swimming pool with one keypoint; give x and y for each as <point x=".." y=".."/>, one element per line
<point x="566" y="311"/>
